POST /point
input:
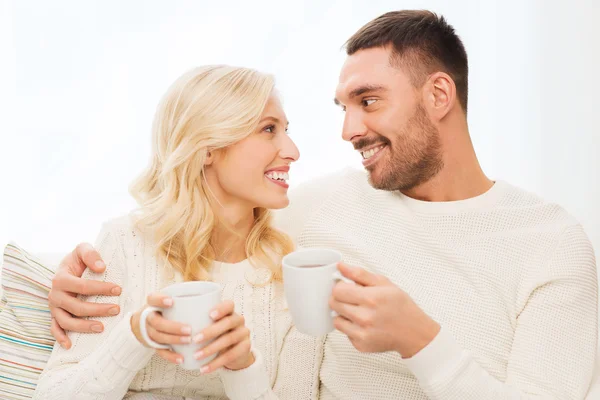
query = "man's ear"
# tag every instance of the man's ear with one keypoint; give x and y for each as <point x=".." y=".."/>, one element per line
<point x="439" y="95"/>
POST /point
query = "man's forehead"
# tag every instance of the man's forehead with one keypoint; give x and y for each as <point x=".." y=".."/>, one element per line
<point x="368" y="60"/>
<point x="365" y="67"/>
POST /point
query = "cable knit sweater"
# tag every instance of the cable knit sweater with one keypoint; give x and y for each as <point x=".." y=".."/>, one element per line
<point x="113" y="364"/>
<point x="510" y="278"/>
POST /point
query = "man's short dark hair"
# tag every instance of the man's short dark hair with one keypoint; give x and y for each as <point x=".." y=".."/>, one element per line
<point x="422" y="43"/>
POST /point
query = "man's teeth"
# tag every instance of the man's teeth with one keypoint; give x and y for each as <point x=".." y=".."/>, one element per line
<point x="280" y="176"/>
<point x="370" y="153"/>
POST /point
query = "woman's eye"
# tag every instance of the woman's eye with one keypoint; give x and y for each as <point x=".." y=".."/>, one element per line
<point x="269" y="128"/>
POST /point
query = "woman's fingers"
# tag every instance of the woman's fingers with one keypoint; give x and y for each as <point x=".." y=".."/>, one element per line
<point x="158" y="322"/>
<point x="239" y="351"/>
<point x="222" y="310"/>
<point x="170" y="356"/>
<point x="158" y="299"/>
<point x="165" y="338"/>
<point x="218" y="328"/>
<point x="224" y="342"/>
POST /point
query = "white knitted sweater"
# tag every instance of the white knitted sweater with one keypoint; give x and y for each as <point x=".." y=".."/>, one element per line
<point x="511" y="279"/>
<point x="113" y="364"/>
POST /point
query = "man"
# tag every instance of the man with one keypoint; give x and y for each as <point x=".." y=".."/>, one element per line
<point x="469" y="288"/>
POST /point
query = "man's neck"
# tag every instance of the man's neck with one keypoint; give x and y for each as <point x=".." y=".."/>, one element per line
<point x="460" y="178"/>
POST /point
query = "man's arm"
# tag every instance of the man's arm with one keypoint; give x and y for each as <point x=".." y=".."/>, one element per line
<point x="554" y="345"/>
<point x="99" y="366"/>
<point x="67" y="310"/>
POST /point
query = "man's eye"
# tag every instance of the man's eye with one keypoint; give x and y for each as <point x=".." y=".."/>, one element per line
<point x="368" y="102"/>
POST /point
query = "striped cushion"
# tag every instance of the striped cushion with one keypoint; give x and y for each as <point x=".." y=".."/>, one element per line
<point x="25" y="339"/>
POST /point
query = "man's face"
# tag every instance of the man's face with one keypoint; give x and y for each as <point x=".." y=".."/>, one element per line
<point x="385" y="121"/>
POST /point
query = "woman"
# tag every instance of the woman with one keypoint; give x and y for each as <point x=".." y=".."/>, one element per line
<point x="220" y="161"/>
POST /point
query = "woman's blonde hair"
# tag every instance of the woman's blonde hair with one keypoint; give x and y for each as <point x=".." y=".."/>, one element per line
<point x="207" y="109"/>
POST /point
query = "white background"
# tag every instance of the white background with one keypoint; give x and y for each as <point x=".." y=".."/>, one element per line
<point x="79" y="82"/>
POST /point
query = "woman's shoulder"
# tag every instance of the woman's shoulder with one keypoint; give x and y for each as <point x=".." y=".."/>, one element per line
<point x="124" y="230"/>
<point x="132" y="252"/>
<point x="123" y="234"/>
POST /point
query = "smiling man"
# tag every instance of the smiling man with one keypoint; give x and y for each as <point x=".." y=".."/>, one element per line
<point x="468" y="288"/>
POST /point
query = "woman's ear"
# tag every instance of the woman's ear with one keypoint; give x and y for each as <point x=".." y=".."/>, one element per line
<point x="209" y="158"/>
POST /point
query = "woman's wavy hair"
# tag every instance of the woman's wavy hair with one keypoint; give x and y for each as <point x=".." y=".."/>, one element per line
<point x="207" y="109"/>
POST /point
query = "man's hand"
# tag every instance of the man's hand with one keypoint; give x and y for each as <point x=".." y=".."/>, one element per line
<point x="378" y="316"/>
<point x="66" y="309"/>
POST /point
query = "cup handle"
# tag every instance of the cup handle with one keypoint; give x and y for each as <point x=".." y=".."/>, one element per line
<point x="144" y="331"/>
<point x="337" y="276"/>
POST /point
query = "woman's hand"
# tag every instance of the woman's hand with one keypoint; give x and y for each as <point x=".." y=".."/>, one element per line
<point x="162" y="330"/>
<point x="232" y="340"/>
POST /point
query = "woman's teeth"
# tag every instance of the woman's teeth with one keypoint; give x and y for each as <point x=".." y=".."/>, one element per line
<point x="279" y="176"/>
<point x="370" y="153"/>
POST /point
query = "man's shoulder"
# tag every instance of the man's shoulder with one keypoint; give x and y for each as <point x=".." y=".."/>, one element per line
<point x="537" y="208"/>
<point x="548" y="219"/>
<point x="329" y="182"/>
<point x="308" y="197"/>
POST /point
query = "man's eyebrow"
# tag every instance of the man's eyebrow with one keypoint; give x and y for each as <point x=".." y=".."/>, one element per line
<point x="365" y="89"/>
<point x="361" y="90"/>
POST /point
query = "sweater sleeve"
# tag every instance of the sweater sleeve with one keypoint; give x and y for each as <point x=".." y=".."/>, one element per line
<point x="102" y="365"/>
<point x="298" y="371"/>
<point x="251" y="383"/>
<point x="554" y="345"/>
<point x="297" y="374"/>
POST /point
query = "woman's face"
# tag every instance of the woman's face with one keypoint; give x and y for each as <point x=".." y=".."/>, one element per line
<point x="254" y="171"/>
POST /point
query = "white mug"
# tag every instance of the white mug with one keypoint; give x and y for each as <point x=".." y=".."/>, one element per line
<point x="192" y="303"/>
<point x="308" y="279"/>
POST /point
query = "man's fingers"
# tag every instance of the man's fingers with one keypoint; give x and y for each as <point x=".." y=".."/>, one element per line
<point x="158" y="299"/>
<point x="86" y="254"/>
<point x="218" y="328"/>
<point x="82" y="308"/>
<point x="156" y="321"/>
<point x="346" y="327"/>
<point x="359" y="275"/>
<point x="356" y="314"/>
<point x="348" y="293"/>
<point x="59" y="334"/>
<point x="67" y="322"/>
<point x="170" y="356"/>
<point x="87" y="287"/>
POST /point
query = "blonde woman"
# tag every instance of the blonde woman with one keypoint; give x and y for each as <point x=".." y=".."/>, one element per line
<point x="220" y="161"/>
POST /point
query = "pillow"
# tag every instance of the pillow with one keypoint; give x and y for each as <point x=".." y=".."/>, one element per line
<point x="25" y="339"/>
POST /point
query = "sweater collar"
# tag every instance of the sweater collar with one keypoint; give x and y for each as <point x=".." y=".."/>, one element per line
<point x="484" y="201"/>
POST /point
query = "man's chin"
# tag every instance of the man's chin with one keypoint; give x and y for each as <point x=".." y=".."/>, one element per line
<point x="376" y="180"/>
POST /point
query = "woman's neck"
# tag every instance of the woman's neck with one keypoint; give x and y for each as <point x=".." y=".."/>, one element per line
<point x="229" y="236"/>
